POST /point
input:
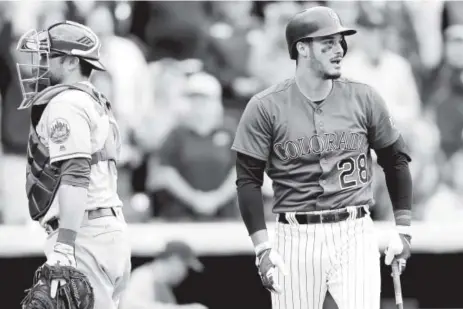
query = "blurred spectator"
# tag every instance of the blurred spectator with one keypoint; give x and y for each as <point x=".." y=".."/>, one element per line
<point x="196" y="179"/>
<point x="399" y="33"/>
<point x="14" y="123"/>
<point x="230" y="34"/>
<point x="453" y="12"/>
<point x="426" y="17"/>
<point x="128" y="69"/>
<point x="269" y="60"/>
<point x="446" y="92"/>
<point x="167" y="77"/>
<point x="172" y="29"/>
<point x="424" y="168"/>
<point x="126" y="83"/>
<point x="151" y="285"/>
<point x="447" y="204"/>
<point x="370" y="62"/>
<point x="51" y="12"/>
<point x="348" y="11"/>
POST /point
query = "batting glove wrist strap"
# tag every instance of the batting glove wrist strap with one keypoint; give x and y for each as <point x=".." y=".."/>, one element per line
<point x="404" y="230"/>
<point x="260" y="248"/>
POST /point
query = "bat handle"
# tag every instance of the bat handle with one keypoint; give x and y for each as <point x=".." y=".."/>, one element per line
<point x="397" y="285"/>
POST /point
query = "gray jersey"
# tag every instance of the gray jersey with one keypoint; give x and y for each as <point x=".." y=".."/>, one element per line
<point x="318" y="155"/>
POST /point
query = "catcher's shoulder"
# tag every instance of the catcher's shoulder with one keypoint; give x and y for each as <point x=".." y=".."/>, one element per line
<point x="75" y="98"/>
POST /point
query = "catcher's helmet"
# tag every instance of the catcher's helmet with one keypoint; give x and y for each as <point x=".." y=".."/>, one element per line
<point x="314" y="22"/>
<point x="64" y="38"/>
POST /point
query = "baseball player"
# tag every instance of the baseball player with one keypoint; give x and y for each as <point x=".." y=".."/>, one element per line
<point x="72" y="152"/>
<point x="312" y="134"/>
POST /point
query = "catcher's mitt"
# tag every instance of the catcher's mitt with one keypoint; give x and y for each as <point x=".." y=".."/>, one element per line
<point x="76" y="293"/>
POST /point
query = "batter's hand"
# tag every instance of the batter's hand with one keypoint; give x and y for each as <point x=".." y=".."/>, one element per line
<point x="398" y="249"/>
<point x="268" y="261"/>
<point x="62" y="255"/>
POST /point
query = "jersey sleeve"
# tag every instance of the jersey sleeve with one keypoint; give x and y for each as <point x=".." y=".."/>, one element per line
<point x="381" y="129"/>
<point x="254" y="133"/>
<point x="68" y="127"/>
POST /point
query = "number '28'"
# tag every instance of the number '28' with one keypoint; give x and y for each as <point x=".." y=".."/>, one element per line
<point x="351" y="166"/>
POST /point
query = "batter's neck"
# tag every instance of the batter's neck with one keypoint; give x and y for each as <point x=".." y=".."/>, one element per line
<point x="313" y="87"/>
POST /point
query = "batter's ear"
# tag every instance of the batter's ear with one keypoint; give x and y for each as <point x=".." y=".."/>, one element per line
<point x="303" y="48"/>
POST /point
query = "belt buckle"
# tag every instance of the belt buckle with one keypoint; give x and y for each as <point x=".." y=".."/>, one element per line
<point x="321" y="218"/>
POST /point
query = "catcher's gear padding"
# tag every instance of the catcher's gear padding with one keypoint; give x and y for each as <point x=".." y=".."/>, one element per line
<point x="314" y="22"/>
<point x="42" y="177"/>
<point x="76" y="293"/>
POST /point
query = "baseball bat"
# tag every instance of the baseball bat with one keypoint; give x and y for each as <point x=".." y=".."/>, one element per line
<point x="397" y="286"/>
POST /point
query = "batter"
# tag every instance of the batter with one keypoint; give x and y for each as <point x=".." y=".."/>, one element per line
<point x="313" y="135"/>
<point x="72" y="153"/>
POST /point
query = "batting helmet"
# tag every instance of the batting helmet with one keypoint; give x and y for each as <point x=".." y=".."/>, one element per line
<point x="314" y="22"/>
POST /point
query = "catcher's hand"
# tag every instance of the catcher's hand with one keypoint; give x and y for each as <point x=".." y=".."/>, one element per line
<point x="75" y="293"/>
<point x="398" y="250"/>
<point x="62" y="255"/>
<point x="267" y="260"/>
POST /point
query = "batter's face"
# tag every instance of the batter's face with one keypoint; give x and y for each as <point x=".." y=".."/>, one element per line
<point x="324" y="55"/>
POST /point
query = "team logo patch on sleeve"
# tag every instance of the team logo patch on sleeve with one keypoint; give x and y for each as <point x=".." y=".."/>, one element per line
<point x="59" y="131"/>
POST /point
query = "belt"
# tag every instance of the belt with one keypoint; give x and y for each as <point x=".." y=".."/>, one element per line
<point x="328" y="217"/>
<point x="53" y="224"/>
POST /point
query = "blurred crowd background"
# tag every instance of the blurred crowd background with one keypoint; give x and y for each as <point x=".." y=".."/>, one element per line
<point x="180" y="74"/>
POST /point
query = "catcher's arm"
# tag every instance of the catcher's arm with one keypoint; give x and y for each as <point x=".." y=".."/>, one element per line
<point x="69" y="143"/>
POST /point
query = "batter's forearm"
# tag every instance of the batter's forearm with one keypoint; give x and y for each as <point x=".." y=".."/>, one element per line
<point x="394" y="161"/>
<point x="251" y="207"/>
<point x="399" y="185"/>
<point x="259" y="237"/>
<point x="250" y="177"/>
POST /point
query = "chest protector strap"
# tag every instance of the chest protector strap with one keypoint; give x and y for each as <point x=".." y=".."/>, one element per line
<point x="42" y="177"/>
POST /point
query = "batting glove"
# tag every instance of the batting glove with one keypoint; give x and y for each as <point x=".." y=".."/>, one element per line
<point x="398" y="250"/>
<point x="267" y="260"/>
<point x="62" y="255"/>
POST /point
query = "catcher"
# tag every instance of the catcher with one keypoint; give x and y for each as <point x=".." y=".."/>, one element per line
<point x="71" y="176"/>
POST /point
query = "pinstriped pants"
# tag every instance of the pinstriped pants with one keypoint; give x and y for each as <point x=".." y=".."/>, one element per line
<point x="342" y="258"/>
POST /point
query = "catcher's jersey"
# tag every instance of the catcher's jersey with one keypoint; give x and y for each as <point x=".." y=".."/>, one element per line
<point x="318" y="155"/>
<point x="74" y="125"/>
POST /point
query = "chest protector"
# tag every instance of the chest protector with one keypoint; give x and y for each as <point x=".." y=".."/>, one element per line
<point x="42" y="177"/>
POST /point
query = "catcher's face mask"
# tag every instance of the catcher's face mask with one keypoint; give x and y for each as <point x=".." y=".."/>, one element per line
<point x="33" y="75"/>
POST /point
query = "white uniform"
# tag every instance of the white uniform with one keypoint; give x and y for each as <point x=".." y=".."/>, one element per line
<point x="342" y="258"/>
<point x="74" y="125"/>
